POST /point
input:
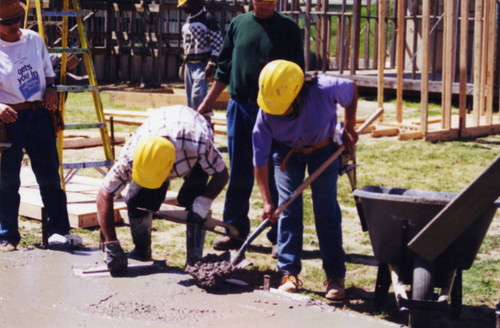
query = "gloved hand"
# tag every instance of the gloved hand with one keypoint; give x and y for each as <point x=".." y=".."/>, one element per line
<point x="201" y="206"/>
<point x="337" y="135"/>
<point x="115" y="256"/>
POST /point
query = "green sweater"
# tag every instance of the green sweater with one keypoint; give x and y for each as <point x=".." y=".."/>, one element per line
<point x="250" y="43"/>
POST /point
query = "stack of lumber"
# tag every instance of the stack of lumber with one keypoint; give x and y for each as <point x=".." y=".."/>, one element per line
<point x="133" y="117"/>
<point x="410" y="130"/>
<point x="81" y="193"/>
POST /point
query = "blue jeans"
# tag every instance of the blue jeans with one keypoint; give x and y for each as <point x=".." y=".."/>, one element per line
<point x="241" y="116"/>
<point x="195" y="83"/>
<point x="327" y="215"/>
<point x="32" y="131"/>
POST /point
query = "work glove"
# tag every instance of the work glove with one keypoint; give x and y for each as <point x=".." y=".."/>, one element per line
<point x="337" y="135"/>
<point x="115" y="256"/>
<point x="201" y="206"/>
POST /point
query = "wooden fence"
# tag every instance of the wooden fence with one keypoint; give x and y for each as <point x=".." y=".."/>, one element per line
<point x="384" y="44"/>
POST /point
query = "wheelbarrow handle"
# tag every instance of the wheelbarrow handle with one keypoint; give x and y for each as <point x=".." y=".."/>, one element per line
<point x="296" y="193"/>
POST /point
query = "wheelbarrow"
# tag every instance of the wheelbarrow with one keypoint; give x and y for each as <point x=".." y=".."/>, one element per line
<point x="394" y="217"/>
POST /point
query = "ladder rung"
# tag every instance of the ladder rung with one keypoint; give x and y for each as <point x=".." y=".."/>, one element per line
<point x="83" y="165"/>
<point x="68" y="51"/>
<point x="77" y="88"/>
<point x="46" y="23"/>
<point x="61" y="13"/>
<point x="78" y="126"/>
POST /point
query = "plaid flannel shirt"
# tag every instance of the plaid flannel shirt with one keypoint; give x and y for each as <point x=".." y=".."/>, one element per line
<point x="191" y="136"/>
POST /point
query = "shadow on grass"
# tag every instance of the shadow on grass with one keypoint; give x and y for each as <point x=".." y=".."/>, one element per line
<point x="362" y="301"/>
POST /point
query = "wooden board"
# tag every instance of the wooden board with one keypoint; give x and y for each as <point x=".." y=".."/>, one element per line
<point x="459" y="214"/>
<point x="159" y="99"/>
<point x="76" y="142"/>
<point x="384" y="132"/>
<point x="81" y="193"/>
<point x="130" y="117"/>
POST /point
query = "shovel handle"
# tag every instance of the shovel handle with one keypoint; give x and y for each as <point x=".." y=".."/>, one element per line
<point x="241" y="252"/>
<point x="296" y="193"/>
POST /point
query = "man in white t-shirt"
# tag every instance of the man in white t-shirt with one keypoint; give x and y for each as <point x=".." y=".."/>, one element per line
<point x="27" y="93"/>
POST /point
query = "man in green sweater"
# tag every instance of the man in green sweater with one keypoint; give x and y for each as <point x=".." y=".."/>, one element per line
<point x="252" y="40"/>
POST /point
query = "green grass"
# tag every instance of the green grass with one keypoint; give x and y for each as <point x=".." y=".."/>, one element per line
<point x="446" y="166"/>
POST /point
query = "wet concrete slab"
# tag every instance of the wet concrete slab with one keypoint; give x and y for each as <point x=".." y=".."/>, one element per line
<point x="49" y="288"/>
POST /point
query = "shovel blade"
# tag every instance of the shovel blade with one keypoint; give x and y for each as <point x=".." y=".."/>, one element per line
<point x="239" y="263"/>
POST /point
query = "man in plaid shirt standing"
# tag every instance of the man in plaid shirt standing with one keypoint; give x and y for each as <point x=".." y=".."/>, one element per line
<point x="174" y="142"/>
<point x="202" y="43"/>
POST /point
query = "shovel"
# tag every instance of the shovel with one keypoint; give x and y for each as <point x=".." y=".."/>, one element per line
<point x="238" y="257"/>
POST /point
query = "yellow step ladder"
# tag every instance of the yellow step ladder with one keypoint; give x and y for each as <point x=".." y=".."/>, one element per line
<point x="62" y="88"/>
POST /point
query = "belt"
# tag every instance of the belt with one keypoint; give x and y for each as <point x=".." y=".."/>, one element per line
<point x="305" y="150"/>
<point x="246" y="99"/>
<point x="27" y="105"/>
<point x="190" y="58"/>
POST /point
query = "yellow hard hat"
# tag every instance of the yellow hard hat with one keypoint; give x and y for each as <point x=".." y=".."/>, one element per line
<point x="280" y="82"/>
<point x="181" y="2"/>
<point x="153" y="161"/>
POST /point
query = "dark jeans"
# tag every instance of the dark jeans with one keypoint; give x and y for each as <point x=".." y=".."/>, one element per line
<point x="32" y="131"/>
<point x="241" y="116"/>
<point x="138" y="197"/>
<point x="140" y="221"/>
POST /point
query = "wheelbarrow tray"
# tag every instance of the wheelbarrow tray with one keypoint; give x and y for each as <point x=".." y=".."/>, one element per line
<point x="394" y="216"/>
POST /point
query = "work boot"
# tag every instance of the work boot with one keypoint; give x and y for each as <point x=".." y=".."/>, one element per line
<point x="195" y="239"/>
<point x="226" y="243"/>
<point x="7" y="246"/>
<point x="290" y="283"/>
<point x="274" y="251"/>
<point x="335" y="289"/>
<point x="138" y="254"/>
<point x="140" y="229"/>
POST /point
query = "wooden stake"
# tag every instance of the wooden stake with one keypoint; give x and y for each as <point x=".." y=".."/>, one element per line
<point x="464" y="39"/>
<point x="400" y="60"/>
<point x="478" y="23"/>
<point x="381" y="53"/>
<point x="490" y="64"/>
<point x="447" y="64"/>
<point x="424" y="75"/>
<point x="484" y="59"/>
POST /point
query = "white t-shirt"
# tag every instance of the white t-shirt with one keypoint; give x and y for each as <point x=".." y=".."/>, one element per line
<point x="24" y="65"/>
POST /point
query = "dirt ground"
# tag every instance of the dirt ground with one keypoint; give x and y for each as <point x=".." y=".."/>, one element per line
<point x="49" y="288"/>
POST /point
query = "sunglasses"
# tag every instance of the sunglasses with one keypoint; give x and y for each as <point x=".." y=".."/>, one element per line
<point x="8" y="22"/>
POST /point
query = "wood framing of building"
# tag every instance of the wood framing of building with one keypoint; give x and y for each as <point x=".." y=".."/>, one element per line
<point x="383" y="44"/>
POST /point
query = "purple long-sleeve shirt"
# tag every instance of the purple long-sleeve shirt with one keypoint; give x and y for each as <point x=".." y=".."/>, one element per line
<point x="315" y="122"/>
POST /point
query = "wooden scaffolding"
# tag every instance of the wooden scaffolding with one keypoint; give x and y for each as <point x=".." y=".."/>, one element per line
<point x="381" y="44"/>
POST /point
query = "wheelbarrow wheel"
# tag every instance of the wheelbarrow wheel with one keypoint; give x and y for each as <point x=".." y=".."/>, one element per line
<point x="422" y="290"/>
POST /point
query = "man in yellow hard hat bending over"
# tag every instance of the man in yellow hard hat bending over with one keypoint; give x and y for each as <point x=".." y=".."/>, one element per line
<point x="173" y="142"/>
